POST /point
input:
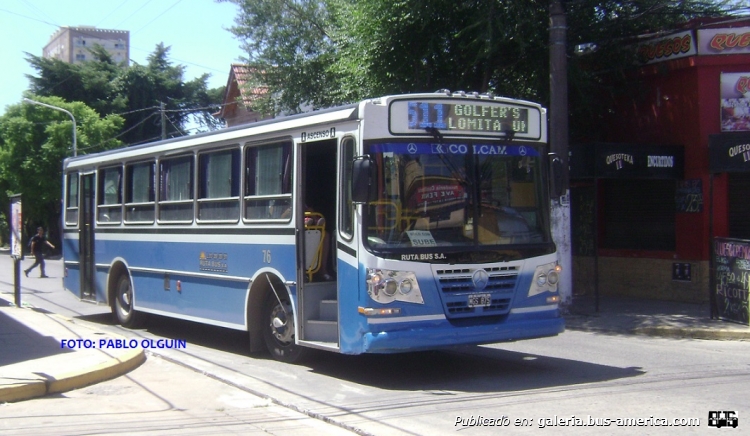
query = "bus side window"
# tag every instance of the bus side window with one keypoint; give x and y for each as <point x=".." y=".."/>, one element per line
<point x="109" y="204"/>
<point x="139" y="193"/>
<point x="219" y="186"/>
<point x="346" y="226"/>
<point x="268" y="181"/>
<point x="176" y="189"/>
<point x="71" y="201"/>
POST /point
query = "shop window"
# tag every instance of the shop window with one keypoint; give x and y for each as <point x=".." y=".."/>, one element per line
<point x="739" y="207"/>
<point x="638" y="214"/>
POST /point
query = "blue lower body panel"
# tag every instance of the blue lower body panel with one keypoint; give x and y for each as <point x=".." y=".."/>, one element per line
<point x="445" y="334"/>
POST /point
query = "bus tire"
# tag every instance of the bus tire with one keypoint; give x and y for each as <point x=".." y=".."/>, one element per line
<point x="278" y="330"/>
<point x="122" y="308"/>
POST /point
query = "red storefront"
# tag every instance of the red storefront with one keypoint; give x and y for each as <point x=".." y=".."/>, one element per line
<point x="648" y="233"/>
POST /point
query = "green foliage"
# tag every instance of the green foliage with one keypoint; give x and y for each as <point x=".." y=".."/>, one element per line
<point x="326" y="52"/>
<point x="88" y="82"/>
<point x="135" y="92"/>
<point x="34" y="140"/>
<point x="290" y="50"/>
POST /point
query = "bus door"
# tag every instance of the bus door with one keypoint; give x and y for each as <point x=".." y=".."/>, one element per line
<point x="317" y="297"/>
<point x="86" y="237"/>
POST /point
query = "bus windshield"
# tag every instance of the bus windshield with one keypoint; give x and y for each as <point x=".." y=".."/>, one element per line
<point x="462" y="194"/>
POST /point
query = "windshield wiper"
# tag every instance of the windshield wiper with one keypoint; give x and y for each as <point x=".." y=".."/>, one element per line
<point x="456" y="174"/>
<point x="435" y="133"/>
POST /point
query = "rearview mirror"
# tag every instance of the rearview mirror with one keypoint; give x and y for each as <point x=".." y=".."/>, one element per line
<point x="363" y="188"/>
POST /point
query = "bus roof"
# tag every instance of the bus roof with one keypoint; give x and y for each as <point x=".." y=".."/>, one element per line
<point x="340" y="113"/>
<point x="348" y="112"/>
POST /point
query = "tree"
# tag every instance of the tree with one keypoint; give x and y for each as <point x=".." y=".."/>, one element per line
<point x="137" y="92"/>
<point x="89" y="82"/>
<point x="147" y="87"/>
<point x="34" y="141"/>
<point x="326" y="52"/>
<point x="289" y="44"/>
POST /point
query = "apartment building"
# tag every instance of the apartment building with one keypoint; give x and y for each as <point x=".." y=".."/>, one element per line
<point x="72" y="44"/>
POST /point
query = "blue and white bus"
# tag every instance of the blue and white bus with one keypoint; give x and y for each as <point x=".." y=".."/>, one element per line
<point x="431" y="212"/>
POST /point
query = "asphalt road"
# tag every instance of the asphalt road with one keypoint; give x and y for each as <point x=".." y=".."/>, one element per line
<point x="559" y="384"/>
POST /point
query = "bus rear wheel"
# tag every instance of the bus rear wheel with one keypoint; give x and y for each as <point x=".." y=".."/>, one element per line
<point x="278" y="330"/>
<point x="122" y="308"/>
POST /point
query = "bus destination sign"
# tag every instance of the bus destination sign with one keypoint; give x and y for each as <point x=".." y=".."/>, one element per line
<point x="470" y="117"/>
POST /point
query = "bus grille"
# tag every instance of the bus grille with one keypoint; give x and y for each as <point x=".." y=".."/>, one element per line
<point x="456" y="285"/>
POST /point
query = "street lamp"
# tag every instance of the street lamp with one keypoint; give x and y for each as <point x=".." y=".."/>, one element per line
<point x="75" y="144"/>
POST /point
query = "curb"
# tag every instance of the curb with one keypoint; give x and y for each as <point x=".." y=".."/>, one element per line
<point x="693" y="333"/>
<point x="104" y="371"/>
<point x="107" y="367"/>
<point x="673" y="332"/>
<point x="113" y="368"/>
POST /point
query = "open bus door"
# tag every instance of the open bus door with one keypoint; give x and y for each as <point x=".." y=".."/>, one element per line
<point x="86" y="237"/>
<point x="317" y="290"/>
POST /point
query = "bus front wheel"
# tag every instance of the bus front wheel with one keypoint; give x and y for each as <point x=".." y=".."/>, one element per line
<point x="122" y="308"/>
<point x="278" y="330"/>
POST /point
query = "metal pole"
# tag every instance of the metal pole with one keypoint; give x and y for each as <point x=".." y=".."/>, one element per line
<point x="560" y="207"/>
<point x="711" y="266"/>
<point x="163" y="121"/>
<point x="17" y="281"/>
<point x="16" y="243"/>
<point x="596" y="243"/>
<point x="75" y="143"/>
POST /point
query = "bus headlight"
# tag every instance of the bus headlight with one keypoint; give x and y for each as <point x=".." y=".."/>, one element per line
<point x="390" y="287"/>
<point x="546" y="278"/>
<point x="405" y="286"/>
<point x="541" y="279"/>
<point x="385" y="286"/>
<point x="553" y="277"/>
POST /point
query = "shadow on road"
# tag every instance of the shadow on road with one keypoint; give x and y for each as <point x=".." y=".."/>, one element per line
<point x="465" y="369"/>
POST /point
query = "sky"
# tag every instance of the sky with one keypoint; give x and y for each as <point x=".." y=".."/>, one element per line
<point x="196" y="31"/>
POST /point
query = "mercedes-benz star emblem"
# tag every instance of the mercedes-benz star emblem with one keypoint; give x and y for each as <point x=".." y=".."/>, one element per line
<point x="480" y="279"/>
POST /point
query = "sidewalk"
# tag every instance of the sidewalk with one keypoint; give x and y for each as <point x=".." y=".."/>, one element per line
<point x="622" y="315"/>
<point x="33" y="363"/>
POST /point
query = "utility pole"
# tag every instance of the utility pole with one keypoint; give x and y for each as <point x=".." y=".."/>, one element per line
<point x="163" y="121"/>
<point x="558" y="126"/>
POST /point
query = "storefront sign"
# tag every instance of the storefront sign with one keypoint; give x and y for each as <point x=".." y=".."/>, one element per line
<point x="735" y="102"/>
<point x="675" y="46"/>
<point x="689" y="196"/>
<point x="729" y="152"/>
<point x="724" y="41"/>
<point x="732" y="279"/>
<point x="16" y="227"/>
<point x="607" y="160"/>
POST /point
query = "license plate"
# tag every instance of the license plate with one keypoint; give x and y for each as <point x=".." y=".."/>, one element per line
<point x="480" y="300"/>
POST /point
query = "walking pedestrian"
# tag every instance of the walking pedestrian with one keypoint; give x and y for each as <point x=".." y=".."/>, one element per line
<point x="37" y="244"/>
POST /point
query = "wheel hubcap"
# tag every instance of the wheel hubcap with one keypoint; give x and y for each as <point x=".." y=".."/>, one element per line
<point x="125" y="298"/>
<point x="282" y="325"/>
